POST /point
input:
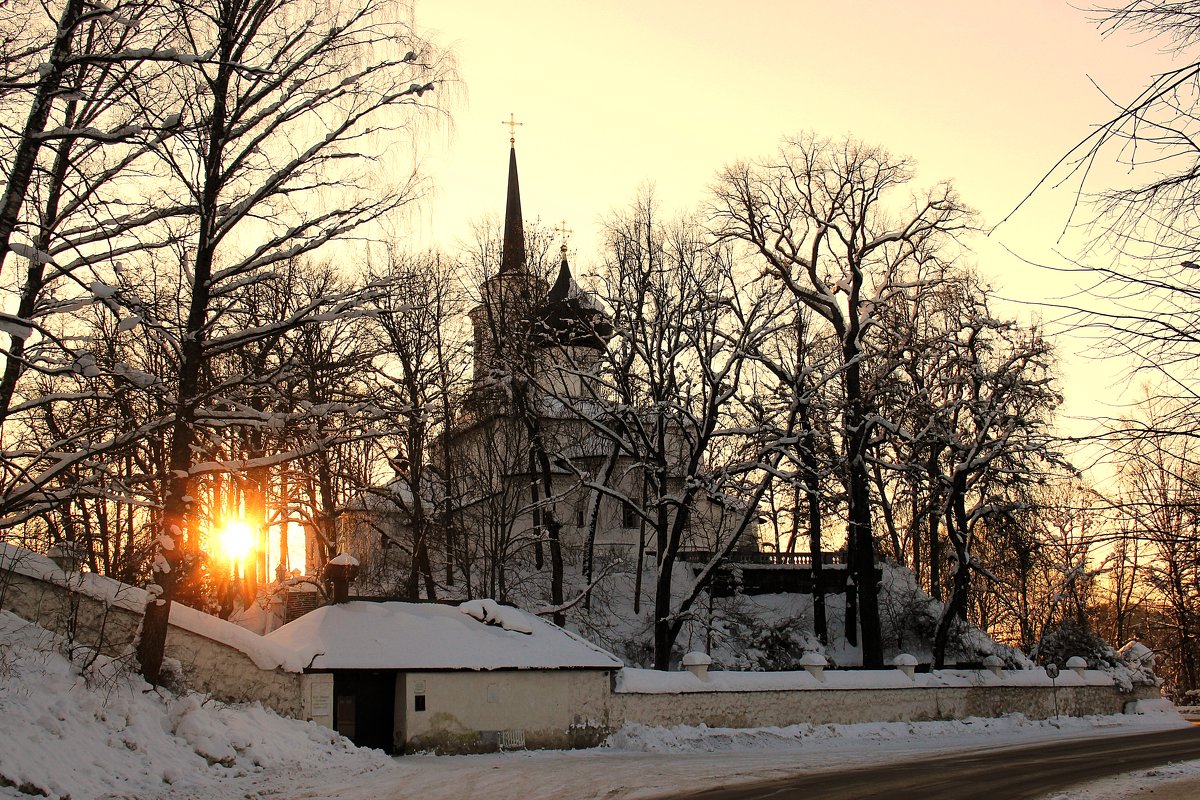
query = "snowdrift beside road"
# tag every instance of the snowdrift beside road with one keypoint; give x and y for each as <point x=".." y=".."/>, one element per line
<point x="87" y="730"/>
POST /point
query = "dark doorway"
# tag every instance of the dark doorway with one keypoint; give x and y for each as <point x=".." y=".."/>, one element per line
<point x="364" y="707"/>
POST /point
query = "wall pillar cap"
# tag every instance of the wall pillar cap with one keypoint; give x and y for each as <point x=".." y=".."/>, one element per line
<point x="697" y="663"/>
<point x="906" y="663"/>
<point x="814" y="663"/>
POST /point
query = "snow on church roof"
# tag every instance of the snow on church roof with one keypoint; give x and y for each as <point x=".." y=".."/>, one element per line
<point x="432" y="636"/>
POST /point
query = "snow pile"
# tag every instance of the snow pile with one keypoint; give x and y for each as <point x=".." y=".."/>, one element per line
<point x="490" y="612"/>
<point x="1138" y="654"/>
<point x="1159" y="705"/>
<point x="1135" y="664"/>
<point x="1010" y="729"/>
<point x="91" y="728"/>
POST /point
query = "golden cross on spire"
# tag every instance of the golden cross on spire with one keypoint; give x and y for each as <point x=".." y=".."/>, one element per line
<point x="512" y="124"/>
<point x="562" y="229"/>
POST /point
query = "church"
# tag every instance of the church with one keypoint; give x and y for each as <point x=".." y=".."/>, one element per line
<point x="526" y="474"/>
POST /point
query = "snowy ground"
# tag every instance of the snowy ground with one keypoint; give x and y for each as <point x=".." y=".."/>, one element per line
<point x="1169" y="782"/>
<point x="94" y="731"/>
<point x="648" y="763"/>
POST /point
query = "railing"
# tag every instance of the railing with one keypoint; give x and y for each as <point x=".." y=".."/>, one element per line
<point x="765" y="557"/>
<point x="786" y="559"/>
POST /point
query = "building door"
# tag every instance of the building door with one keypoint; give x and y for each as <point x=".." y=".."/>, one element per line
<point x="364" y="705"/>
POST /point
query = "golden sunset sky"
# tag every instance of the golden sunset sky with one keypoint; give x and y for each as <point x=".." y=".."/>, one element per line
<point x="617" y="94"/>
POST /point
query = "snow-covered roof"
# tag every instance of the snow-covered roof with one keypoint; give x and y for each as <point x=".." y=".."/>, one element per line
<point x="431" y="636"/>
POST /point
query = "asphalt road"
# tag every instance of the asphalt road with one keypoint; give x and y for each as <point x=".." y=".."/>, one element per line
<point x="995" y="774"/>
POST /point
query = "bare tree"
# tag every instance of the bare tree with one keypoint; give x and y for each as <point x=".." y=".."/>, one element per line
<point x="85" y="61"/>
<point x="1160" y="502"/>
<point x="489" y="507"/>
<point x="804" y="371"/>
<point x="280" y="116"/>
<point x="1137" y="274"/>
<point x="817" y="216"/>
<point x="422" y="367"/>
<point x="95" y="119"/>
<point x="665" y="404"/>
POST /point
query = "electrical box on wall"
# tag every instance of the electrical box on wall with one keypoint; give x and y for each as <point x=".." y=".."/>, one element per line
<point x="316" y="690"/>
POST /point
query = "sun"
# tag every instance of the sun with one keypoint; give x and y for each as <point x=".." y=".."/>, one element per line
<point x="235" y="539"/>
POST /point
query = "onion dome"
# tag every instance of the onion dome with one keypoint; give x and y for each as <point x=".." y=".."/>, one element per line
<point x="569" y="317"/>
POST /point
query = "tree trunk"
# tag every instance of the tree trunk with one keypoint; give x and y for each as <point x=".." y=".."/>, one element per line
<point x="176" y="507"/>
<point x="540" y="458"/>
<point x="35" y="278"/>
<point x="862" y="565"/>
<point x="24" y="158"/>
<point x="593" y="521"/>
<point x="885" y="506"/>
<point x="914" y="531"/>
<point x="932" y="539"/>
<point x="285" y="515"/>
<point x="662" y="583"/>
<point x="663" y="635"/>
<point x="177" y="500"/>
<point x="956" y="606"/>
<point x="812" y="490"/>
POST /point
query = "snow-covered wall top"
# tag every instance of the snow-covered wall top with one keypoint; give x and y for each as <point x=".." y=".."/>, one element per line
<point x="649" y="681"/>
<point x="265" y="654"/>
<point x="414" y="636"/>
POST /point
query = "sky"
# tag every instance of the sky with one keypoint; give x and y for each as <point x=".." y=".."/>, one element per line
<point x="617" y="95"/>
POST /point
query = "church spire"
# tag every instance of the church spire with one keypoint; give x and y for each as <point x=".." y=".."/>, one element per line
<point x="512" y="258"/>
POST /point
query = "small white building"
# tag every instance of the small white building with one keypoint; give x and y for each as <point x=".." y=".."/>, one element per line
<point x="454" y="679"/>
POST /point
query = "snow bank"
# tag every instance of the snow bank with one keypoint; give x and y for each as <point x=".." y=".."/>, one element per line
<point x="703" y="739"/>
<point x="90" y="729"/>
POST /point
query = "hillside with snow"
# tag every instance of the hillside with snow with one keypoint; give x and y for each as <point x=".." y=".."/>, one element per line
<point x="769" y="632"/>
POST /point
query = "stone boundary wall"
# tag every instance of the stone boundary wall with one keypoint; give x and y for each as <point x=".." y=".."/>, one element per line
<point x="61" y="602"/>
<point x="748" y="709"/>
<point x="110" y="626"/>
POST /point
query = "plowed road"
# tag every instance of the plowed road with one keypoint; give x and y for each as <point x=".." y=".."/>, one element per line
<point x="993" y="774"/>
